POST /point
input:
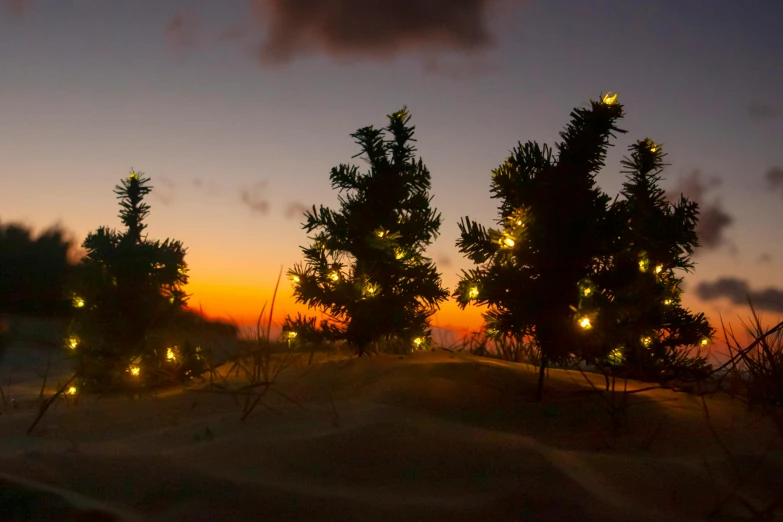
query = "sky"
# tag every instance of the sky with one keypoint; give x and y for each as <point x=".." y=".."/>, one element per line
<point x="238" y="109"/>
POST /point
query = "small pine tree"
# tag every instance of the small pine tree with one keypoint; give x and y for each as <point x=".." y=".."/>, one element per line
<point x="127" y="295"/>
<point x="366" y="268"/>
<point x="643" y="324"/>
<point x="554" y="225"/>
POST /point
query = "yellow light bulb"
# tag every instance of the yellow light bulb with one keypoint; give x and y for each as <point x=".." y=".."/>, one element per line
<point x="509" y="242"/>
<point x="380" y="233"/>
<point x="609" y="100"/>
<point x="73" y="342"/>
<point x="72" y="390"/>
<point x="295" y="278"/>
<point x="705" y="342"/>
<point x="399" y="254"/>
<point x="78" y="302"/>
<point x="334" y="276"/>
<point x="473" y="293"/>
<point x="519" y="222"/>
<point x="584" y="322"/>
<point x="646" y="341"/>
<point x="170" y="355"/>
<point x="587" y="292"/>
<point x="134" y="370"/>
<point x="643" y="265"/>
<point x="417" y="341"/>
<point x="290" y="334"/>
<point x="659" y="269"/>
<point x="667" y="302"/>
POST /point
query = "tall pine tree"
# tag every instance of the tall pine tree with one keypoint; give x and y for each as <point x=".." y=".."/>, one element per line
<point x="643" y="322"/>
<point x="554" y="227"/>
<point x="127" y="294"/>
<point x="366" y="268"/>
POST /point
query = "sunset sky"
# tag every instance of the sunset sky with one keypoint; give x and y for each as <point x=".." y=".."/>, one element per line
<point x="238" y="109"/>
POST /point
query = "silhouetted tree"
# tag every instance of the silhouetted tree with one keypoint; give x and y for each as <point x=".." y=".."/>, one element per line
<point x="128" y="296"/>
<point x="34" y="271"/>
<point x="637" y="297"/>
<point x="555" y="226"/>
<point x="366" y="267"/>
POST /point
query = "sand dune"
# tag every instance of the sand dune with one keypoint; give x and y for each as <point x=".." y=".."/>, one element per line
<point x="430" y="436"/>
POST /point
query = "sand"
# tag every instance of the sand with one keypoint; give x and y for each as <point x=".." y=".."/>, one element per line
<point x="430" y="436"/>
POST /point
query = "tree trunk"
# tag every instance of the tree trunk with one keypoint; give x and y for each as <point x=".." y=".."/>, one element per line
<point x="541" y="370"/>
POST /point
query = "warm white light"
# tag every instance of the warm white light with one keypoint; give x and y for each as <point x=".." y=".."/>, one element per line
<point x="134" y="370"/>
<point x="473" y="293"/>
<point x="78" y="302"/>
<point x="334" y="276"/>
<point x="380" y="233"/>
<point x="646" y="341"/>
<point x="609" y="100"/>
<point x="133" y="175"/>
<point x="72" y="390"/>
<point x="290" y="335"/>
<point x="616" y="356"/>
<point x="417" y="341"/>
<point x="507" y="241"/>
<point x="659" y="269"/>
<point x="399" y="254"/>
<point x="73" y="342"/>
<point x="667" y="302"/>
<point x="170" y="355"/>
<point x="584" y="322"/>
<point x="643" y="264"/>
<point x="295" y="278"/>
<point x="371" y="289"/>
<point x="587" y="292"/>
<point x="705" y="342"/>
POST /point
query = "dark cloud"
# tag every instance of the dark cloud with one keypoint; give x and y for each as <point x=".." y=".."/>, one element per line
<point x="764" y="258"/>
<point x="182" y="33"/>
<point x="295" y="210"/>
<point x="17" y="7"/>
<point x="762" y="111"/>
<point x="443" y="260"/>
<point x="255" y="198"/>
<point x="774" y="177"/>
<point x="738" y="291"/>
<point x="379" y="29"/>
<point x="713" y="218"/>
<point x="164" y="190"/>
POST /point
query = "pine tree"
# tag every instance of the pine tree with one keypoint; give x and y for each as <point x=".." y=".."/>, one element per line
<point x="649" y="333"/>
<point x="128" y="295"/>
<point x="366" y="268"/>
<point x="554" y="227"/>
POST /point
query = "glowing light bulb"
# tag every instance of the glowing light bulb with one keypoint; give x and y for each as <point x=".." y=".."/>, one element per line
<point x="133" y="175"/>
<point x="507" y="241"/>
<point x="659" y="269"/>
<point x="290" y="334"/>
<point x="371" y="289"/>
<point x="473" y="293"/>
<point x="584" y="322"/>
<point x="646" y="341"/>
<point x="78" y="302"/>
<point x="134" y="370"/>
<point x="587" y="292"/>
<point x="334" y="276"/>
<point x="72" y="390"/>
<point x="705" y="342"/>
<point x="667" y="302"/>
<point x="643" y="264"/>
<point x="609" y="100"/>
<point x="295" y="278"/>
<point x="380" y="233"/>
<point x="616" y="356"/>
<point x="73" y="342"/>
<point x="417" y="341"/>
<point x="170" y="355"/>
<point x="519" y="222"/>
<point x="399" y="254"/>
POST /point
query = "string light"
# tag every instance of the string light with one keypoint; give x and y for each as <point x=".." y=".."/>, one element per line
<point x="134" y="370"/>
<point x="584" y="322"/>
<point x="587" y="292"/>
<point x="133" y="175"/>
<point x="658" y="269"/>
<point x="73" y="342"/>
<point x="78" y="302"/>
<point x="399" y="254"/>
<point x="171" y="355"/>
<point x="609" y="100"/>
<point x="417" y="341"/>
<point x="616" y="356"/>
<point x="380" y="233"/>
<point x="508" y="242"/>
<point x="294" y="278"/>
<point x="473" y="292"/>
<point x="705" y="342"/>
<point x="667" y="302"/>
<point x="334" y="276"/>
<point x="72" y="390"/>
<point x="291" y="335"/>
<point x="643" y="265"/>
<point x="646" y="341"/>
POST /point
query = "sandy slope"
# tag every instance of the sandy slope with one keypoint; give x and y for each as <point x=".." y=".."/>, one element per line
<point x="426" y="437"/>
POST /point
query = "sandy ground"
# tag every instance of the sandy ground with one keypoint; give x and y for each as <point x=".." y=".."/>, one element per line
<point x="431" y="436"/>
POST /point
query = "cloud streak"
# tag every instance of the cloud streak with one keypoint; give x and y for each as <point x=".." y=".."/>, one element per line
<point x="375" y="29"/>
<point x="738" y="291"/>
<point x="255" y="199"/>
<point x="774" y="179"/>
<point x="713" y="218"/>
